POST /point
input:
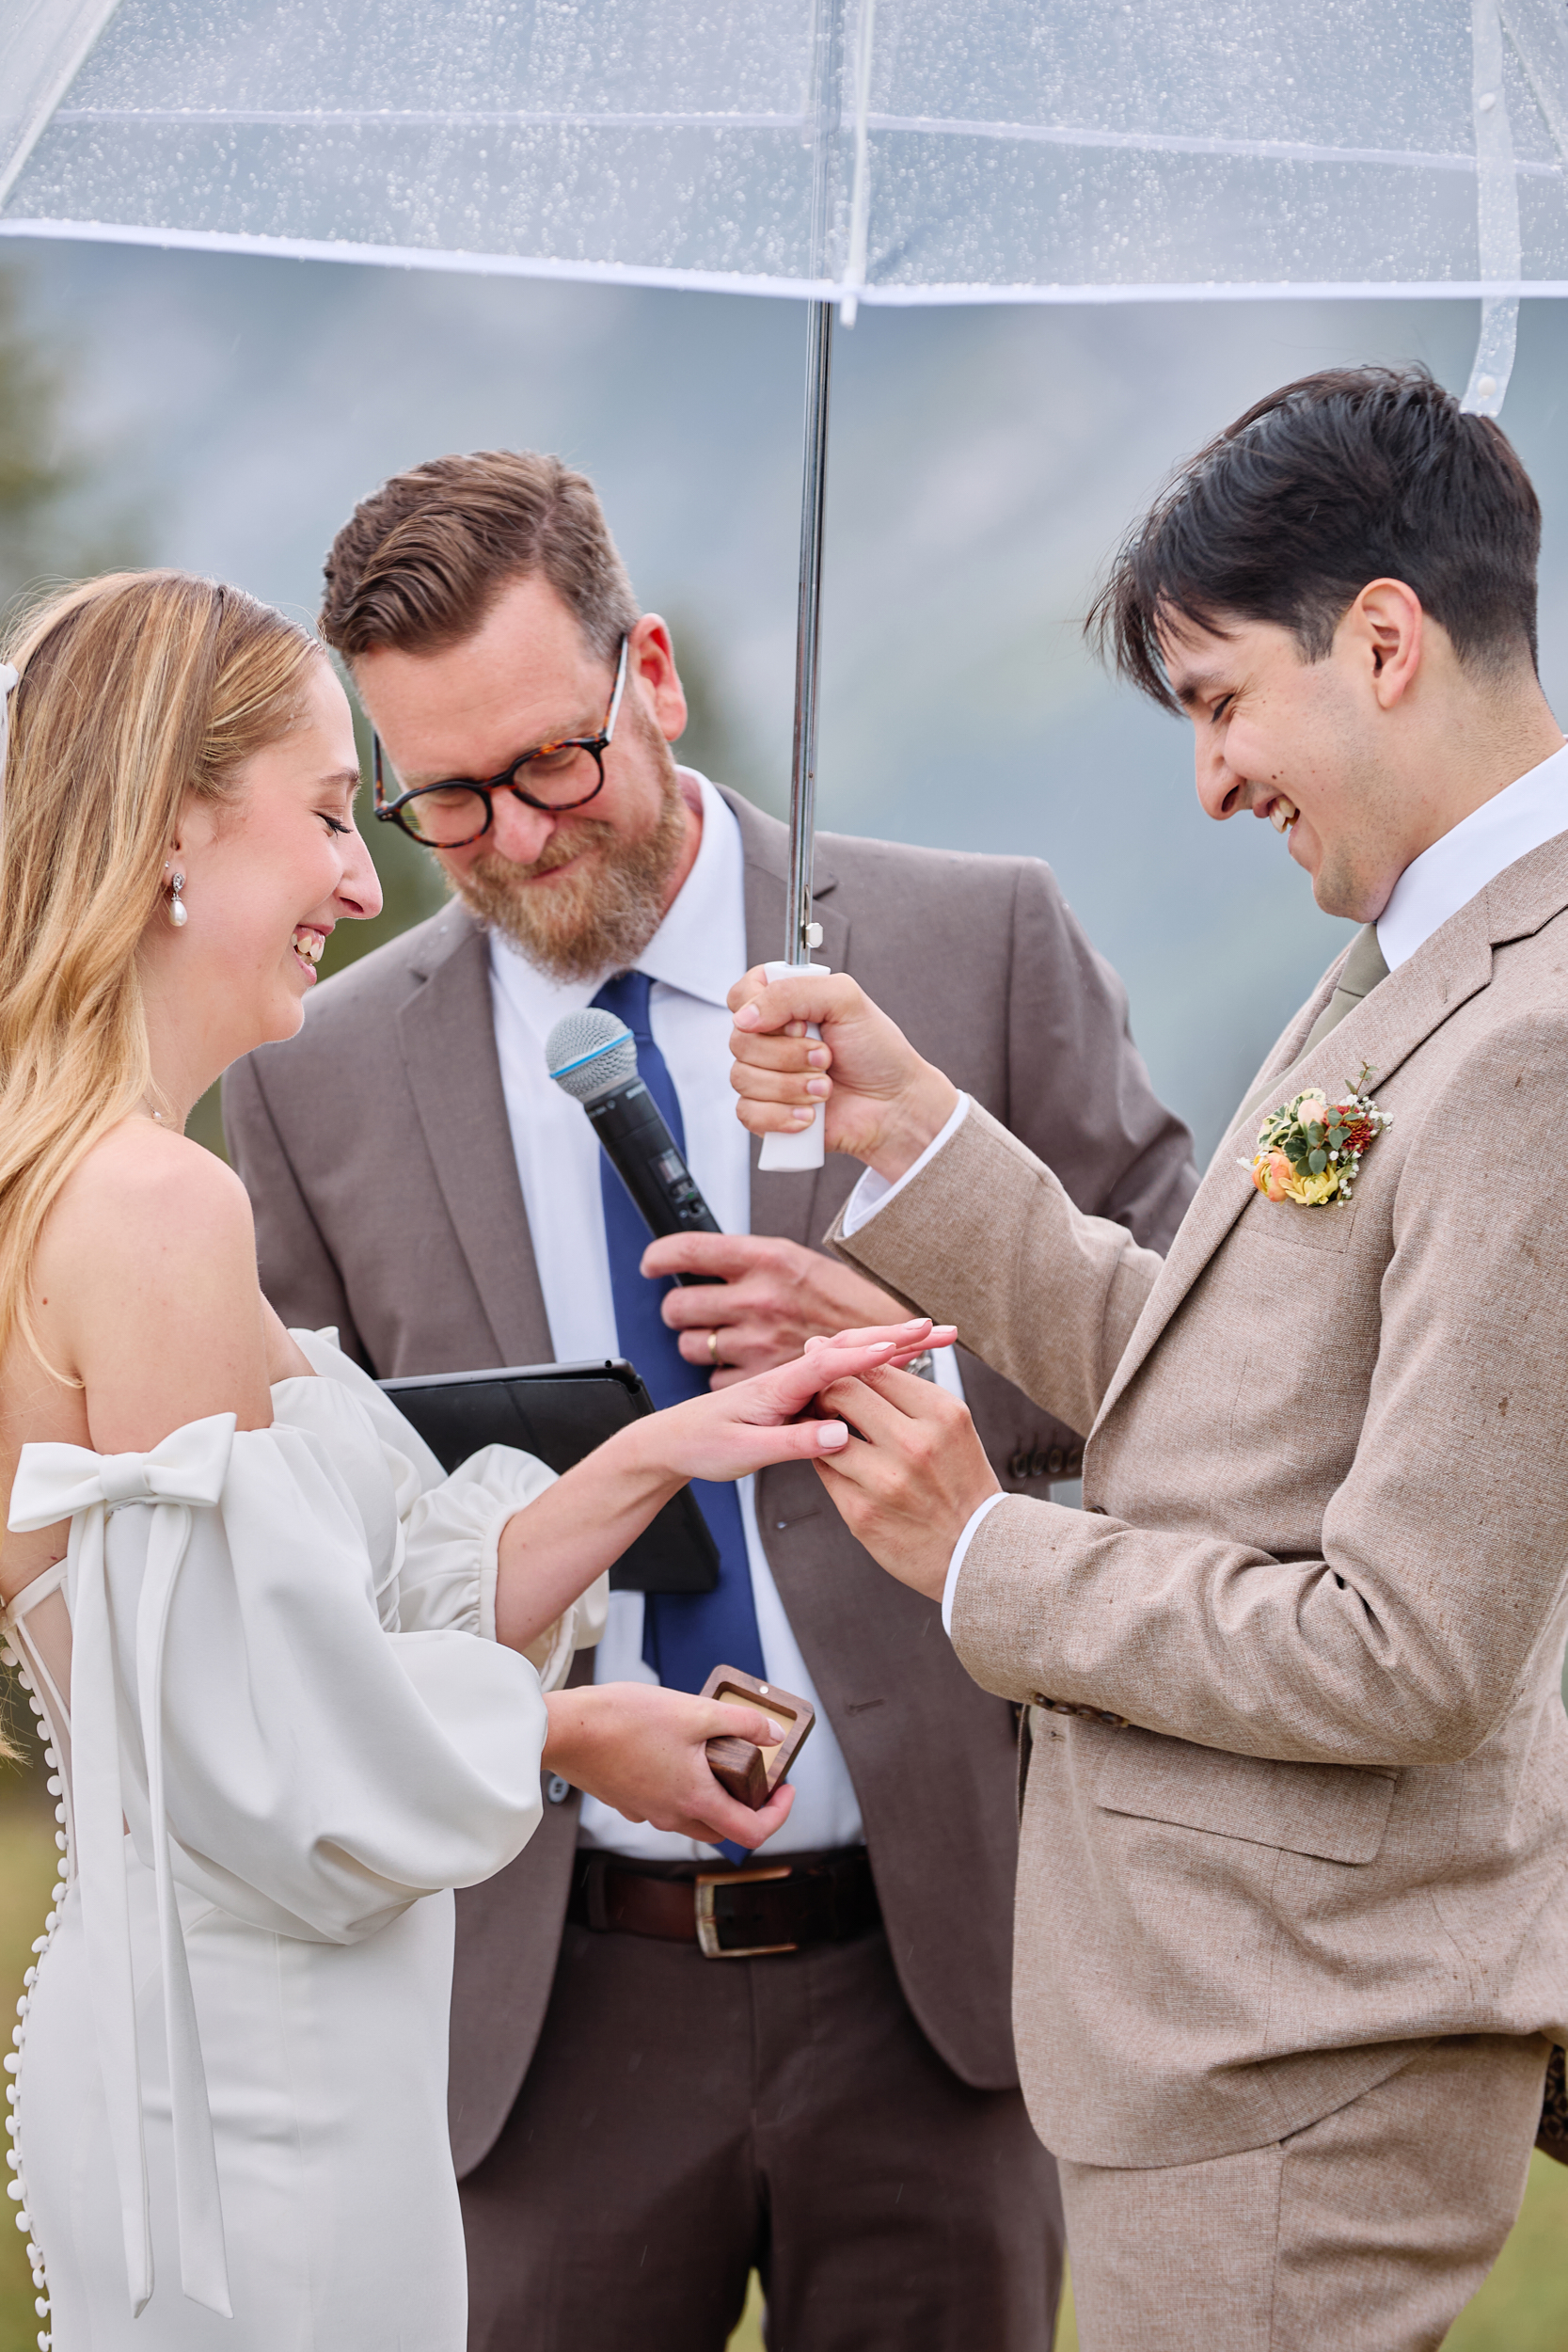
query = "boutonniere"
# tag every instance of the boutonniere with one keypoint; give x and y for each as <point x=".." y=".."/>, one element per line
<point x="1310" y="1149"/>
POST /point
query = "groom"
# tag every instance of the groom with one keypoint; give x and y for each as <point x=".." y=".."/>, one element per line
<point x="1293" y="1882"/>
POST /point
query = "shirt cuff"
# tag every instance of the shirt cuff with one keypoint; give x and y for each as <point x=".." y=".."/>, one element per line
<point x="960" y="1548"/>
<point x="874" y="1192"/>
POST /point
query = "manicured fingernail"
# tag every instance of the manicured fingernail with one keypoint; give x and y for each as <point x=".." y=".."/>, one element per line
<point x="831" y="1435"/>
<point x="817" y="1057"/>
<point x="819" y="1085"/>
<point x="801" y="1118"/>
<point x="775" y="1731"/>
<point x="748" y="1017"/>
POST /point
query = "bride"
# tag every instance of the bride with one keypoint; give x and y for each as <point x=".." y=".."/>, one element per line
<point x="281" y="1665"/>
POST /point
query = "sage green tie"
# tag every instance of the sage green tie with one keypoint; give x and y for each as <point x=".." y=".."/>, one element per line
<point x="1364" y="968"/>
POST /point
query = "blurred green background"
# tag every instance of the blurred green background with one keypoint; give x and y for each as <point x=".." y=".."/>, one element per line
<point x="224" y="414"/>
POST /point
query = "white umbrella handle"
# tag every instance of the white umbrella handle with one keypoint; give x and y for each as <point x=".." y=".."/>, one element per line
<point x="805" y="1147"/>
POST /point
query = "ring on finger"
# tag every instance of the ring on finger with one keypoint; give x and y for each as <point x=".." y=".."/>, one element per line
<point x="713" y="1349"/>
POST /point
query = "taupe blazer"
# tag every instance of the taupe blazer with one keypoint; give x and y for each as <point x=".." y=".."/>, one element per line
<point x="1323" y="1574"/>
<point x="377" y="1152"/>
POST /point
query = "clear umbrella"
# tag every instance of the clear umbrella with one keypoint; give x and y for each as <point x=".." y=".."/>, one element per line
<point x="838" y="152"/>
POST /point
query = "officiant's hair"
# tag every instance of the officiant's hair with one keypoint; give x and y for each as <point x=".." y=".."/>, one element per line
<point x="1347" y="476"/>
<point x="136" y="691"/>
<point x="420" y="562"/>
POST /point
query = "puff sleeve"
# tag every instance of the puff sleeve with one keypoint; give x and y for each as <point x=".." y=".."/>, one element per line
<point x="445" y="1566"/>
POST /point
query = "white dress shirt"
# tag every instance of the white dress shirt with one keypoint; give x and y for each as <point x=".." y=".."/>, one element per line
<point x="695" y="959"/>
<point x="1531" y="810"/>
<point x="1443" y="879"/>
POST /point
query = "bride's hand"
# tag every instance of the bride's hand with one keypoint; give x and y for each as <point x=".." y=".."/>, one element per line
<point x="905" y="1350"/>
<point x="550" y="1551"/>
<point x="734" y="1431"/>
<point x="641" y="1749"/>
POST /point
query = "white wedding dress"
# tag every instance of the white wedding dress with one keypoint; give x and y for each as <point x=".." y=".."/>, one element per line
<point x="279" y="1738"/>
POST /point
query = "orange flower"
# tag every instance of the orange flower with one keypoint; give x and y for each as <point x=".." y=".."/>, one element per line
<point x="1271" y="1173"/>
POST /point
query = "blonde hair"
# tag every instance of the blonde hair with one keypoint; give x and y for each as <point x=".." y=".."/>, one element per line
<point x="135" y="691"/>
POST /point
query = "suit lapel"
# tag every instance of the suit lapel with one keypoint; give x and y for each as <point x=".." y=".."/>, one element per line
<point x="791" y="1206"/>
<point x="1380" y="1033"/>
<point x="1216" y="1204"/>
<point x="448" y="1034"/>
<point x="1285" y="1050"/>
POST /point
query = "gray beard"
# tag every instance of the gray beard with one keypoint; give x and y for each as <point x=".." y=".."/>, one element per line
<point x="597" y="921"/>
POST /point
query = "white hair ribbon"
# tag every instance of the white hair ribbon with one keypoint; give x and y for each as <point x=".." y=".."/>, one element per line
<point x="8" y="680"/>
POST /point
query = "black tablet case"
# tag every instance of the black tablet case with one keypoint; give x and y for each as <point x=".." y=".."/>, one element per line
<point x="559" y="1412"/>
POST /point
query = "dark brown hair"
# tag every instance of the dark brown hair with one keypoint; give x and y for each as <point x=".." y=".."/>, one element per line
<point x="1352" y="475"/>
<point x="420" y="562"/>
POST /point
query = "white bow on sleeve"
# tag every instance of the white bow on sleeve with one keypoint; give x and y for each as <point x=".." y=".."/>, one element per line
<point x="185" y="1474"/>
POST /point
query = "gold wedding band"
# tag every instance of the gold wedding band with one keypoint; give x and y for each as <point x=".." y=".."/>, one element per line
<point x="713" y="1348"/>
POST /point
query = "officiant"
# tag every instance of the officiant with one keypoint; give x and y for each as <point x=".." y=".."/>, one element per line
<point x="827" y="2089"/>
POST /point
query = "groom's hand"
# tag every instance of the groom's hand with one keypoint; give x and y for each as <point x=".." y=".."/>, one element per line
<point x="884" y="1104"/>
<point x="912" y="1475"/>
<point x="769" y="1298"/>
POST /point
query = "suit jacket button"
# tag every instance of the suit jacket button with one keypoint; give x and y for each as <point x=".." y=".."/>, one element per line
<point x="557" y="1789"/>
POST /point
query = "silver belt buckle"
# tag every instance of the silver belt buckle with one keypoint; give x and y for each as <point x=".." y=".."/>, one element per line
<point x="707" y="1925"/>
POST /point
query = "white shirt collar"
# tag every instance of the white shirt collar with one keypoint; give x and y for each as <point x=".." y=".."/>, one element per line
<point x="1449" y="875"/>
<point x="699" y="948"/>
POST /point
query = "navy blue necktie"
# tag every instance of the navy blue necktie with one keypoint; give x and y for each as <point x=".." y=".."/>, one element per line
<point x="686" y="1634"/>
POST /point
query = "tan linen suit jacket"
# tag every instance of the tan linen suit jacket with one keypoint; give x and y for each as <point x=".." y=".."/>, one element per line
<point x="377" y="1153"/>
<point x="1324" y="1572"/>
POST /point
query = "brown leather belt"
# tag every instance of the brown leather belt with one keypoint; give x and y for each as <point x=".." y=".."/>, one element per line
<point x="730" y="1915"/>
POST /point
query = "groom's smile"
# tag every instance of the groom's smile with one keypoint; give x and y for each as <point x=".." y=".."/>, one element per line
<point x="1331" y="750"/>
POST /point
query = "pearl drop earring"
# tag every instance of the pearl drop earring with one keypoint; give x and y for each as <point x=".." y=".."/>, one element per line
<point x="179" y="914"/>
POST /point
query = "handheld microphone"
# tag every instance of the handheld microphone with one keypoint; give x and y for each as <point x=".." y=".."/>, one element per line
<point x="592" y="1055"/>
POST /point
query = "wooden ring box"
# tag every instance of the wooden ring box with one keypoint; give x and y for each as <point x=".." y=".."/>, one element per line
<point x="749" y="1773"/>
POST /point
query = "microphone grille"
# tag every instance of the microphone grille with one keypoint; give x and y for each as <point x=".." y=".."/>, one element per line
<point x="591" y="1053"/>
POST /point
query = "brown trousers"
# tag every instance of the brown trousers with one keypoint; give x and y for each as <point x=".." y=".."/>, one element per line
<point x="686" y="2121"/>
<point x="1367" y="2232"/>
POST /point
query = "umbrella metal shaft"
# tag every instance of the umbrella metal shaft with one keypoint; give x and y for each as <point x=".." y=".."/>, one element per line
<point x="801" y="931"/>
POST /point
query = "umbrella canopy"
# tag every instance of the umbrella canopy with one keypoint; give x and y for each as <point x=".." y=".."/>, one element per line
<point x="882" y="150"/>
<point x="840" y="151"/>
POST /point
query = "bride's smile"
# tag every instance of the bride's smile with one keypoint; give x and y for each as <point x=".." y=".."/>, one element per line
<point x="267" y="871"/>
